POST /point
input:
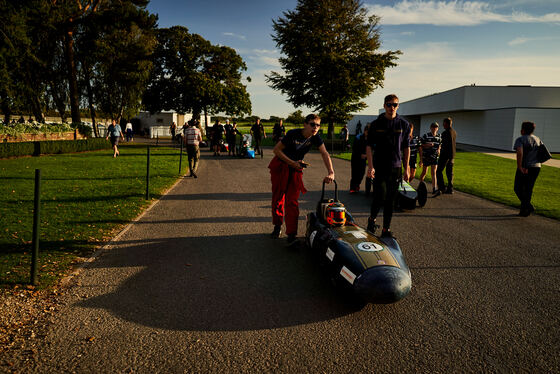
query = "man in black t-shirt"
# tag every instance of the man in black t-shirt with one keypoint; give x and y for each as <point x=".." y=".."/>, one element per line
<point x="278" y="131"/>
<point x="388" y="140"/>
<point x="218" y="137"/>
<point x="231" y="137"/>
<point x="286" y="171"/>
<point x="257" y="131"/>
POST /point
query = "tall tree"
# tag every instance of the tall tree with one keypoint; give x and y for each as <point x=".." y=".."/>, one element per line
<point x="192" y="75"/>
<point x="57" y="81"/>
<point x="123" y="39"/>
<point x="70" y="15"/>
<point x="223" y="67"/>
<point x="330" y="57"/>
<point x="14" y="48"/>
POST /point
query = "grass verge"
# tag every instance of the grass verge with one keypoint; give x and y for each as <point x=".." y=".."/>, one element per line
<point x="85" y="199"/>
<point x="491" y="177"/>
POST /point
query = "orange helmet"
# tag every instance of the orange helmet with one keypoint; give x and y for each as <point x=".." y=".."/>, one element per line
<point x="335" y="214"/>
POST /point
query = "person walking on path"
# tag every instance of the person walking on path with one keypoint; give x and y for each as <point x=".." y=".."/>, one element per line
<point x="431" y="143"/>
<point x="528" y="167"/>
<point x="278" y="132"/>
<point x="192" y="139"/>
<point x="286" y="172"/>
<point x="446" y="157"/>
<point x="258" y="133"/>
<point x="388" y="150"/>
<point x="115" y="132"/>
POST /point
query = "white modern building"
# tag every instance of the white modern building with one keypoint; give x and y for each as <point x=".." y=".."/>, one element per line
<point x="488" y="116"/>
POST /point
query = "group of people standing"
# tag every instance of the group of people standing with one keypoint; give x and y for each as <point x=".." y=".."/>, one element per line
<point x="386" y="146"/>
<point x="433" y="150"/>
<point x="229" y="131"/>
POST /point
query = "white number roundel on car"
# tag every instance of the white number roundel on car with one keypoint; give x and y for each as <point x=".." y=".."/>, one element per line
<point x="369" y="247"/>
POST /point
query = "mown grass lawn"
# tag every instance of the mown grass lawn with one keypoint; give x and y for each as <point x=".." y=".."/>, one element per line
<point x="491" y="177"/>
<point x="85" y="199"/>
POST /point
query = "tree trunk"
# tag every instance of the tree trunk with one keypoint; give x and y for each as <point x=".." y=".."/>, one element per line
<point x="89" y="90"/>
<point x="36" y="109"/>
<point x="196" y="114"/>
<point x="7" y="113"/>
<point x="206" y="122"/>
<point x="72" y="74"/>
<point x="330" y="131"/>
<point x="59" y="102"/>
<point x="121" y="110"/>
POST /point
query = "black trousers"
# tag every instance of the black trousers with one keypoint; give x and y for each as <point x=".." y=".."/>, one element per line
<point x="258" y="147"/>
<point x="358" y="166"/>
<point x="385" y="186"/>
<point x="447" y="164"/>
<point x="523" y="186"/>
<point x="231" y="144"/>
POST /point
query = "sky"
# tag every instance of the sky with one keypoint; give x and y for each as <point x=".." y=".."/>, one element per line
<point x="444" y="44"/>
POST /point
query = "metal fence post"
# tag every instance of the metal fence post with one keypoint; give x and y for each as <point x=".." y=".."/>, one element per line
<point x="148" y="175"/>
<point x="36" y="227"/>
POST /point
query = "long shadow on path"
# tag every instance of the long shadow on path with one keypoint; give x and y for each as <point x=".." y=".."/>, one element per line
<point x="217" y="283"/>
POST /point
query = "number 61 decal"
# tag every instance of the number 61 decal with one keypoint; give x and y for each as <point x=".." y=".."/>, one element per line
<point x="369" y="247"/>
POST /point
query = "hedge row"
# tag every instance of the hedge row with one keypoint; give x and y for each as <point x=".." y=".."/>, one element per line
<point x="51" y="147"/>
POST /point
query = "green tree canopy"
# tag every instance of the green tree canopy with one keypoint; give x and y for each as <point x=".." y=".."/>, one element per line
<point x="330" y="57"/>
<point x="16" y="57"/>
<point x="192" y="75"/>
<point x="49" y="47"/>
<point x="122" y="41"/>
<point x="296" y="117"/>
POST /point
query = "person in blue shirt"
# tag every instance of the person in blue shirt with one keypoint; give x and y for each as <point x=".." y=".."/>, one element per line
<point x="115" y="132"/>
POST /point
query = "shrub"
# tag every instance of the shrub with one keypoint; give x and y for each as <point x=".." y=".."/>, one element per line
<point x="83" y="129"/>
<point x="15" y="129"/>
<point x="51" y="147"/>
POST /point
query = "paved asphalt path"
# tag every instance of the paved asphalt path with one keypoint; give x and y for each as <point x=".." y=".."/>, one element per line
<point x="196" y="285"/>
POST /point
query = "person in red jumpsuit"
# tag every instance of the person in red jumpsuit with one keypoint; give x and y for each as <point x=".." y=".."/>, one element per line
<point x="286" y="171"/>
